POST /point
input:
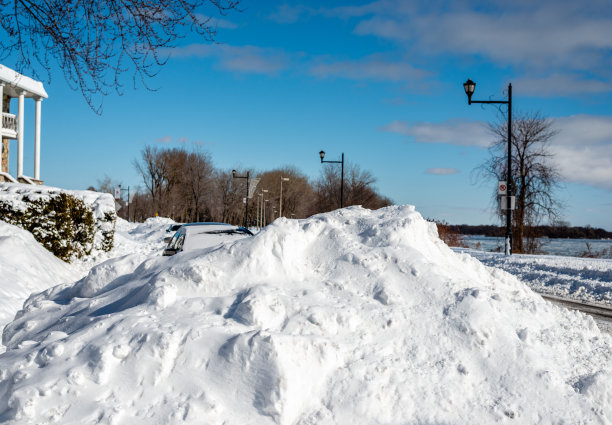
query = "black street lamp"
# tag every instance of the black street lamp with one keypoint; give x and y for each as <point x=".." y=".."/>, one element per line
<point x="322" y="155"/>
<point x="246" y="209"/>
<point x="469" y="86"/>
<point x="121" y="190"/>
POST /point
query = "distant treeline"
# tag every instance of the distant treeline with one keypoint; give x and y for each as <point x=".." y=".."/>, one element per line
<point x="562" y="232"/>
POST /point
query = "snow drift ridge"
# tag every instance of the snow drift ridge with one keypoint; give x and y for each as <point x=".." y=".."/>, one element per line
<point x="351" y="316"/>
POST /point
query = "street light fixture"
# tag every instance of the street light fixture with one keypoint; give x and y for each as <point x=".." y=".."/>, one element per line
<point x="322" y="155"/>
<point x="469" y="86"/>
<point x="260" y="208"/>
<point x="129" y="201"/>
<point x="246" y="210"/>
<point x="282" y="179"/>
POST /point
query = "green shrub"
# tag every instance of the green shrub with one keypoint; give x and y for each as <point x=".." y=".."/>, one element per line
<point x="62" y="223"/>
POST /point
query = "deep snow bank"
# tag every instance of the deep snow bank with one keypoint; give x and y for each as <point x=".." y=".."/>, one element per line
<point x="25" y="267"/>
<point x="354" y="316"/>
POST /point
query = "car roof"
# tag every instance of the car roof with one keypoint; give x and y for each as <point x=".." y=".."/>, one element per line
<point x="207" y="223"/>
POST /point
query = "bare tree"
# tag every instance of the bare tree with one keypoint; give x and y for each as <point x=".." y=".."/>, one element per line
<point x="153" y="171"/>
<point x="297" y="192"/>
<point x="358" y="189"/>
<point x="94" y="42"/>
<point x="534" y="176"/>
<point x="107" y="185"/>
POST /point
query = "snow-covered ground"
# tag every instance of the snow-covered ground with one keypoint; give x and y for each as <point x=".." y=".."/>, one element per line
<point x="581" y="279"/>
<point x="354" y="316"/>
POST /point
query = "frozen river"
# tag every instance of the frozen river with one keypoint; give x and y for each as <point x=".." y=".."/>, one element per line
<point x="566" y="247"/>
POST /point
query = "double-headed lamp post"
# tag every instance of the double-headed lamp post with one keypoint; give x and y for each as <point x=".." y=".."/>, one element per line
<point x="469" y="87"/>
<point x="322" y="155"/>
<point x="280" y="207"/>
<point x="246" y="209"/>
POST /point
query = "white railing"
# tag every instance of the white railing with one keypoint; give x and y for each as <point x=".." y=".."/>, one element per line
<point x="9" y="121"/>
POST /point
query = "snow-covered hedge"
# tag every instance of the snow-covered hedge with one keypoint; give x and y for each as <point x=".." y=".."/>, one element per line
<point x="70" y="224"/>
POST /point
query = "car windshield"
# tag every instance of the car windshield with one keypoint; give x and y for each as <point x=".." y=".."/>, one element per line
<point x="225" y="232"/>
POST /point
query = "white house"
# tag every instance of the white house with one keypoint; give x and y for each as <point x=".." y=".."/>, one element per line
<point x="14" y="85"/>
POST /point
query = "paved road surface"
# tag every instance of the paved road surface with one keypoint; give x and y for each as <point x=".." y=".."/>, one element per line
<point x="601" y="313"/>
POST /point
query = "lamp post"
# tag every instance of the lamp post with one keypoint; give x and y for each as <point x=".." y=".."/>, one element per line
<point x="260" y="208"/>
<point x="246" y="201"/>
<point x="280" y="207"/>
<point x="322" y="155"/>
<point x="264" y="211"/>
<point x="121" y="190"/>
<point x="469" y="86"/>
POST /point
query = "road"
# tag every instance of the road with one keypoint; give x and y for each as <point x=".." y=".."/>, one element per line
<point x="601" y="313"/>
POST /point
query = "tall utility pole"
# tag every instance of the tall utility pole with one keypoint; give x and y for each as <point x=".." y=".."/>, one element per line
<point x="280" y="207"/>
<point x="322" y="155"/>
<point x="246" y="200"/>
<point x="469" y="86"/>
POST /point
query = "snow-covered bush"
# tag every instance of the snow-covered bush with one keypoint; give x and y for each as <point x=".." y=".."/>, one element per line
<point x="67" y="223"/>
<point x="61" y="223"/>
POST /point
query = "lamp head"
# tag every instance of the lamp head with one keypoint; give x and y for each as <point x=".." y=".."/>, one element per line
<point x="469" y="86"/>
<point x="234" y="173"/>
<point x="322" y="155"/>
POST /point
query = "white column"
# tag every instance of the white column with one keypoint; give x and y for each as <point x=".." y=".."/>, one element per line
<point x="20" y="118"/>
<point x="1" y="106"/>
<point x="37" y="140"/>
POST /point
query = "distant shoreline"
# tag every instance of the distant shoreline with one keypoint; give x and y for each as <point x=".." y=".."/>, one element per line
<point x="553" y="232"/>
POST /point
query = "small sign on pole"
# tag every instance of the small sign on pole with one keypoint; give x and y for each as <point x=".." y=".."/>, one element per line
<point x="503" y="203"/>
<point x="252" y="187"/>
<point x="117" y="193"/>
<point x="502" y="188"/>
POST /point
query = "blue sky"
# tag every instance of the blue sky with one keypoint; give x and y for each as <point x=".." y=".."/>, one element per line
<point x="380" y="81"/>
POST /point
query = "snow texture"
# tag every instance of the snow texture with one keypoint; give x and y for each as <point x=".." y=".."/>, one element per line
<point x="353" y="316"/>
<point x="583" y="279"/>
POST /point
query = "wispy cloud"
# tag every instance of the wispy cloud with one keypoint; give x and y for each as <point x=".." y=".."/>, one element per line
<point x="216" y="22"/>
<point x="164" y="139"/>
<point x="243" y="59"/>
<point x="181" y="140"/>
<point x="552" y="44"/>
<point x="442" y="171"/>
<point x="373" y="67"/>
<point x="289" y="14"/>
<point x="454" y="132"/>
<point x="583" y="149"/>
<point x="560" y="85"/>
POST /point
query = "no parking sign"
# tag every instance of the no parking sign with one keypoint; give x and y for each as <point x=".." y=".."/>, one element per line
<point x="502" y="189"/>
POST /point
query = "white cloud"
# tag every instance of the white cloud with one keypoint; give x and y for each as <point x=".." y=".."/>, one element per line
<point x="165" y="139"/>
<point x="369" y="68"/>
<point x="244" y="59"/>
<point x="583" y="149"/>
<point x="442" y="171"/>
<point x="454" y="132"/>
<point x="560" y="85"/>
<point x="554" y="44"/>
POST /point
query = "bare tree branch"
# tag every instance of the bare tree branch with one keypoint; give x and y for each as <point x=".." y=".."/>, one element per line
<point x="95" y="42"/>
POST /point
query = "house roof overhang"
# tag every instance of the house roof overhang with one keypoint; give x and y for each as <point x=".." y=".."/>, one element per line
<point x="15" y="83"/>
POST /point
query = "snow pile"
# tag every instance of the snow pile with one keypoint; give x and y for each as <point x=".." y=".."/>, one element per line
<point x="584" y="279"/>
<point x="14" y="193"/>
<point x="26" y="267"/>
<point x="354" y="316"/>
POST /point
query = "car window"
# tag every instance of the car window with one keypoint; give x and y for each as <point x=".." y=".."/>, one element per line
<point x="173" y="241"/>
<point x="179" y="241"/>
